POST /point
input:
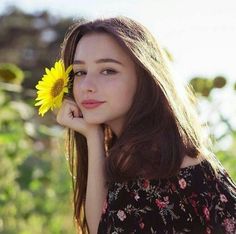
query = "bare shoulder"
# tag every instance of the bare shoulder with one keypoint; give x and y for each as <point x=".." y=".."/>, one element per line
<point x="188" y="161"/>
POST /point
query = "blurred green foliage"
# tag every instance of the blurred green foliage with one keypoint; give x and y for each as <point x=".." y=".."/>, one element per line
<point x="204" y="86"/>
<point x="35" y="183"/>
<point x="31" y="41"/>
<point x="11" y="73"/>
<point x="207" y="88"/>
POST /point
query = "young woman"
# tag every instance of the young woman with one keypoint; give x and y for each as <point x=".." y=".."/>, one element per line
<point x="139" y="160"/>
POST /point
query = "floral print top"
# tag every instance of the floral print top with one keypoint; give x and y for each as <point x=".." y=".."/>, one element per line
<point x="195" y="201"/>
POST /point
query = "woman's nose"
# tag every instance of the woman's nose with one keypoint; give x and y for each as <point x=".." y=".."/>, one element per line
<point x="88" y="84"/>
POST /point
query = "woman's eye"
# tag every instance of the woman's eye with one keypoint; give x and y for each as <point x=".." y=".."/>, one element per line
<point x="109" y="71"/>
<point x="105" y="72"/>
<point x="79" y="73"/>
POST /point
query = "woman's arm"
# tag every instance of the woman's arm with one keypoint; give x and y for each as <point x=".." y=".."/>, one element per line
<point x="96" y="190"/>
<point x="69" y="116"/>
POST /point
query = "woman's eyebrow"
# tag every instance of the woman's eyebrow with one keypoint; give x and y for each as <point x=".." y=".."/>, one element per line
<point x="102" y="60"/>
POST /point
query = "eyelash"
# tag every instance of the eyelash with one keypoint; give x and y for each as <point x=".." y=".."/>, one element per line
<point x="111" y="72"/>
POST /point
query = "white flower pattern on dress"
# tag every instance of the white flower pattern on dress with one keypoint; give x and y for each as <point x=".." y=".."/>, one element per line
<point x="121" y="215"/>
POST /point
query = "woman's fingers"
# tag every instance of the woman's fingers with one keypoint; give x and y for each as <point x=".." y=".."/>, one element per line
<point x="69" y="115"/>
<point x="77" y="112"/>
<point x="73" y="110"/>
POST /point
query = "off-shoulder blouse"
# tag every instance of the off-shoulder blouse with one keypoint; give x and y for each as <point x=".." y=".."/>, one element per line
<point x="197" y="200"/>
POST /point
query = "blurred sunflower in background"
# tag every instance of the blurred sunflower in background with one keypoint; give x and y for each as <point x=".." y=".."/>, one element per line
<point x="52" y="87"/>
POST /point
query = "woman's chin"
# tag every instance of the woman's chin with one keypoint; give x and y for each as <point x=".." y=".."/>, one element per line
<point x="93" y="120"/>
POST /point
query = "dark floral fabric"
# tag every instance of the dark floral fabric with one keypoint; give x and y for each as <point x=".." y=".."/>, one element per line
<point x="195" y="201"/>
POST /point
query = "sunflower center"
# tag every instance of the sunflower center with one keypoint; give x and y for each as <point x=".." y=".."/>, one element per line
<point x="57" y="87"/>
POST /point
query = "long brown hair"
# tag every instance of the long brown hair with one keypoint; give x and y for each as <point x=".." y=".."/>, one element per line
<point x="161" y="126"/>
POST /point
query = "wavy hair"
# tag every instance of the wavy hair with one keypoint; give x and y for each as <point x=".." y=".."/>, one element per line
<point x="161" y="127"/>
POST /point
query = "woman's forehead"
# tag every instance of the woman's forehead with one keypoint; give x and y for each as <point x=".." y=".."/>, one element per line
<point x="99" y="45"/>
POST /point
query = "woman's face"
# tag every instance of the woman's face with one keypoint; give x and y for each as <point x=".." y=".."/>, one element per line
<point x="98" y="77"/>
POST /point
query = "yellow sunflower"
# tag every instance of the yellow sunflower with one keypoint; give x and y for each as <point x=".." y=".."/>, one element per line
<point x="52" y="87"/>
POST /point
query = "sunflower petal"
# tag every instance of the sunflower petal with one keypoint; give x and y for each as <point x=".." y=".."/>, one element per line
<point x="52" y="86"/>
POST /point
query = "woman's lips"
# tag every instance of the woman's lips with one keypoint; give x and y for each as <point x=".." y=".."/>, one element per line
<point x="92" y="105"/>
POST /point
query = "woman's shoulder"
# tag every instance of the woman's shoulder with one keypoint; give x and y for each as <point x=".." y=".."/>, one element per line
<point x="200" y="173"/>
<point x="192" y="170"/>
<point x="199" y="166"/>
<point x="205" y="175"/>
<point x="189" y="161"/>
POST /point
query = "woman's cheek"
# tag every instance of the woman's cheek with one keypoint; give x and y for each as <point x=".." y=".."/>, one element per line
<point x="75" y="87"/>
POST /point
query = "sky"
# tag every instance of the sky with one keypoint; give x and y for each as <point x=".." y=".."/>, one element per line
<point x="200" y="34"/>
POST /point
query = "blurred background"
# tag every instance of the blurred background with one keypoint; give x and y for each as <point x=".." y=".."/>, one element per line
<point x="35" y="183"/>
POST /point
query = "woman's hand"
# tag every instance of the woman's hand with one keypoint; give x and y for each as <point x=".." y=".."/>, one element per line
<point x="69" y="115"/>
